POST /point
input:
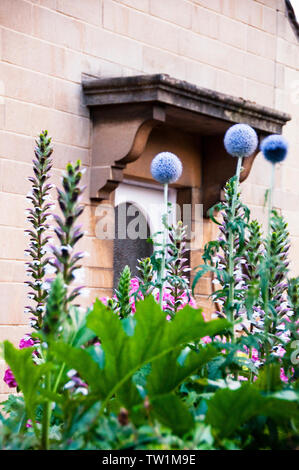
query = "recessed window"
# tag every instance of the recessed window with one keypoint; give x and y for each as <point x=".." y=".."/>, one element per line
<point x="138" y="215"/>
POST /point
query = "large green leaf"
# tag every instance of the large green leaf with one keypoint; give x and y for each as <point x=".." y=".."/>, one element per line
<point x="172" y="412"/>
<point x="178" y="369"/>
<point x="230" y="409"/>
<point x="126" y="348"/>
<point x="152" y="338"/>
<point x="26" y="373"/>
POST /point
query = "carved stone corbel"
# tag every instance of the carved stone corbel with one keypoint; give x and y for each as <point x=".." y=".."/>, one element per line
<point x="124" y="111"/>
<point x="120" y="135"/>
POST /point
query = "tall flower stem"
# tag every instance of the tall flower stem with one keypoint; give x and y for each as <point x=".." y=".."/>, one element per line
<point x="266" y="306"/>
<point x="38" y="216"/>
<point x="46" y="415"/>
<point x="164" y="243"/>
<point x="270" y="197"/>
<point x="231" y="258"/>
<point x="65" y="260"/>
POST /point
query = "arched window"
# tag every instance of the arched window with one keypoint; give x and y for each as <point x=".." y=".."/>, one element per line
<point x="138" y="215"/>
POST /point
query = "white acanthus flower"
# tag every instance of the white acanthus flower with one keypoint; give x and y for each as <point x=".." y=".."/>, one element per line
<point x="81" y="390"/>
<point x="47" y="249"/>
<point x="84" y="254"/>
<point x="79" y="275"/>
<point x="69" y="384"/>
<point x="67" y="248"/>
<point x="46" y="285"/>
<point x="71" y="372"/>
<point x="49" y="270"/>
<point x="48" y="197"/>
<point x="85" y="293"/>
<point x="41" y="308"/>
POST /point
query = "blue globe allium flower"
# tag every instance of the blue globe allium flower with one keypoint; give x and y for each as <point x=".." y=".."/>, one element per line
<point x="240" y="140"/>
<point x="166" y="167"/>
<point x="275" y="148"/>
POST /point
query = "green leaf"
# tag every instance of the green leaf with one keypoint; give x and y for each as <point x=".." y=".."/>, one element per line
<point x="173" y="413"/>
<point x="159" y="382"/>
<point x="229" y="409"/>
<point x="80" y="360"/>
<point x="126" y="350"/>
<point x="271" y="373"/>
<point x="153" y="337"/>
<point x="27" y="374"/>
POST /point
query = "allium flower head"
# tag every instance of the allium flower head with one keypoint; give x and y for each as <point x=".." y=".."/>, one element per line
<point x="275" y="148"/>
<point x="240" y="140"/>
<point x="166" y="167"/>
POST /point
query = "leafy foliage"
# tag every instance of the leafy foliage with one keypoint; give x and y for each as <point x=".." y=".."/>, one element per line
<point x="126" y="374"/>
<point x="127" y="346"/>
<point x="122" y="293"/>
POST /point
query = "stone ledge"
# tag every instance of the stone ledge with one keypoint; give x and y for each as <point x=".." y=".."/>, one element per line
<point x="125" y="110"/>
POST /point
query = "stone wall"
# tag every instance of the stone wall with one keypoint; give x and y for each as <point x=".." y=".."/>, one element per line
<point x="245" y="48"/>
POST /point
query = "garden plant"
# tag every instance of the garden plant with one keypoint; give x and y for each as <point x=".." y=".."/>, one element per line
<point x="145" y="369"/>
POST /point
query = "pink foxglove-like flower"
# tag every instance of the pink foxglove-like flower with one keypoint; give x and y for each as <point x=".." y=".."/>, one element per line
<point x="9" y="379"/>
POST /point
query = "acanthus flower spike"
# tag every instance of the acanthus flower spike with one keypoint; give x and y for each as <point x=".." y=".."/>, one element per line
<point x="67" y="232"/>
<point x="37" y="216"/>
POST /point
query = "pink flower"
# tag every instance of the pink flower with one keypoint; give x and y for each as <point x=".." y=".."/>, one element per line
<point x="104" y="300"/>
<point x="26" y="342"/>
<point x="242" y="378"/>
<point x="280" y="351"/>
<point x="206" y="339"/>
<point x="134" y="287"/>
<point x="134" y="284"/>
<point x="9" y="379"/>
<point x="185" y="300"/>
<point x="283" y="377"/>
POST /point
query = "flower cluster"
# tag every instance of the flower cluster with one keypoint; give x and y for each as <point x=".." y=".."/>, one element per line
<point x="38" y="217"/>
<point x="135" y="294"/>
<point x="68" y="233"/>
<point x="230" y="242"/>
<point x="240" y="140"/>
<point x="177" y="266"/>
<point x="166" y="168"/>
<point x="275" y="148"/>
<point x="26" y="342"/>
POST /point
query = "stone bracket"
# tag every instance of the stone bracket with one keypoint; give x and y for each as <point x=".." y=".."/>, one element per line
<point x="124" y="111"/>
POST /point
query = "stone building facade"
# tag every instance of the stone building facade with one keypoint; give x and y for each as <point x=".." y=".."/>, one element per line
<point x="247" y="49"/>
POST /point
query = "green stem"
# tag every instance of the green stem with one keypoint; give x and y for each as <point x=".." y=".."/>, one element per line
<point x="266" y="306"/>
<point x="270" y="201"/>
<point x="59" y="377"/>
<point x="46" y="416"/>
<point x="231" y="257"/>
<point x="164" y="245"/>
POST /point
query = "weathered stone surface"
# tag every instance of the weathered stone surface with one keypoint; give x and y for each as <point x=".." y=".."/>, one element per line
<point x="130" y="107"/>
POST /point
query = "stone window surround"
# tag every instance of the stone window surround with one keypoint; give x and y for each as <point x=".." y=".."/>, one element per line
<point x="124" y="111"/>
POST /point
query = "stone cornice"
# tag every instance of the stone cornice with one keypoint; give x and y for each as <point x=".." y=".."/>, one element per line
<point x="125" y="110"/>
